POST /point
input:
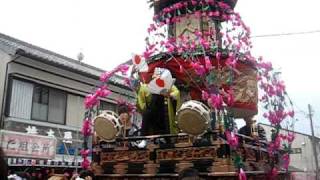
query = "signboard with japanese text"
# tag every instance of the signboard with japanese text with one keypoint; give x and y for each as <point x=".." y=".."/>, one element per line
<point x="16" y="144"/>
<point x="296" y="151"/>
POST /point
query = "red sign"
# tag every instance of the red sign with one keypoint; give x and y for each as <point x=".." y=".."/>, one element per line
<point x="15" y="144"/>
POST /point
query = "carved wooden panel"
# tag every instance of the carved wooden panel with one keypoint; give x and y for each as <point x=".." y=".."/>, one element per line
<point x="246" y="86"/>
<point x="129" y="156"/>
<point x="190" y="153"/>
<point x="189" y="24"/>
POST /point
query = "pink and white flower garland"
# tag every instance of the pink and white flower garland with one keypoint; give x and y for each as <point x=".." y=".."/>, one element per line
<point x="91" y="101"/>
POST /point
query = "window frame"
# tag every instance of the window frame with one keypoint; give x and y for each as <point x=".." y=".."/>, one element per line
<point x="99" y="110"/>
<point x="33" y="94"/>
<point x="65" y="107"/>
<point x="8" y="100"/>
<point x="47" y="118"/>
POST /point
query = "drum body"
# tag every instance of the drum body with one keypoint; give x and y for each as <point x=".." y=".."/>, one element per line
<point x="107" y="126"/>
<point x="193" y="118"/>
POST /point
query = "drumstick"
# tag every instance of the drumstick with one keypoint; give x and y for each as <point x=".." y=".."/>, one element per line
<point x="125" y="128"/>
<point x="216" y="123"/>
<point x="125" y="131"/>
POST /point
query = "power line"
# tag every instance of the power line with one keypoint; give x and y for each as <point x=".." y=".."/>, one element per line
<point x="286" y="34"/>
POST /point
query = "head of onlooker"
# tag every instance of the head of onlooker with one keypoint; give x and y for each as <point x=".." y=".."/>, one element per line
<point x="3" y="166"/>
<point x="249" y="120"/>
<point x="189" y="174"/>
<point x="86" y="175"/>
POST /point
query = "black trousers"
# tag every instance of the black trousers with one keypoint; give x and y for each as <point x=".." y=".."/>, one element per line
<point x="155" y="118"/>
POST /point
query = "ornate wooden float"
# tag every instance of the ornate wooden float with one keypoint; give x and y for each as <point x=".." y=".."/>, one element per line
<point x="206" y="150"/>
<point x="210" y="155"/>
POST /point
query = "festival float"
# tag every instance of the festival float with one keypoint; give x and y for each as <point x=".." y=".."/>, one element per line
<point x="196" y="76"/>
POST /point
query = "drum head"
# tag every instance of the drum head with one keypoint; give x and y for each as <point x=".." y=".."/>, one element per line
<point x="191" y="122"/>
<point x="105" y="128"/>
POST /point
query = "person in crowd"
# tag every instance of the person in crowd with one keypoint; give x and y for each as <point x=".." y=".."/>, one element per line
<point x="3" y="166"/>
<point x="57" y="177"/>
<point x="85" y="175"/>
<point x="252" y="129"/>
<point x="189" y="174"/>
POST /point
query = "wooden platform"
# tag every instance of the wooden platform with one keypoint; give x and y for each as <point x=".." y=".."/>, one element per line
<point x="217" y="176"/>
<point x="167" y="155"/>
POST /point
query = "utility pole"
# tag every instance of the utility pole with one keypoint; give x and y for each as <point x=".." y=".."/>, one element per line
<point x="313" y="141"/>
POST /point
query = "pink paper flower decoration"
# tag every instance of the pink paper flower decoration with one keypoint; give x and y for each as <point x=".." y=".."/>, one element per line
<point x="215" y="101"/>
<point x="232" y="139"/>
<point x="242" y="175"/>
<point x="86" y="127"/>
<point x="85" y="163"/>
<point x="208" y="63"/>
<point x="286" y="161"/>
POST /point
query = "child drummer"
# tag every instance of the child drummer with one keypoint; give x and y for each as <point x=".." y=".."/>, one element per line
<point x="128" y="127"/>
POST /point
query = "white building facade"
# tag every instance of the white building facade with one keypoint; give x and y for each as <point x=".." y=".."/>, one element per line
<point x="302" y="157"/>
<point x="45" y="90"/>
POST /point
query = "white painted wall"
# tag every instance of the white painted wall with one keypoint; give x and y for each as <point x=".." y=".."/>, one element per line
<point x="60" y="78"/>
<point x="306" y="160"/>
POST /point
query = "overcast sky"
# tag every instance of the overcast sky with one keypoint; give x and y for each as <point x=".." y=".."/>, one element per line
<point x="107" y="32"/>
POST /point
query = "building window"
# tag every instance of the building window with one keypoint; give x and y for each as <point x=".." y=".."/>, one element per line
<point x="37" y="102"/>
<point x="48" y="104"/>
<point x="20" y="99"/>
<point x="107" y="106"/>
<point x="57" y="106"/>
<point x="40" y="103"/>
